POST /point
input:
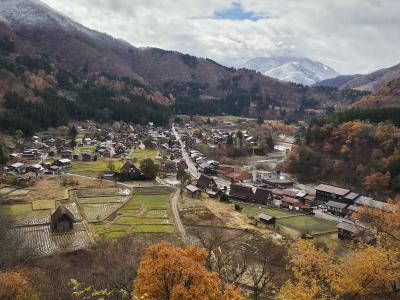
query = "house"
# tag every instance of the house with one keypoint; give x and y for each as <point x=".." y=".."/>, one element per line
<point x="289" y="202"/>
<point x="36" y="168"/>
<point x="336" y="208"/>
<point x="348" y="230"/>
<point x="31" y="154"/>
<point x="67" y="153"/>
<point x="325" y="193"/>
<point x="26" y="178"/>
<point x="53" y="170"/>
<point x="193" y="190"/>
<point x="237" y="176"/>
<point x="62" y="219"/>
<point x="63" y="163"/>
<point x="272" y="179"/>
<point x="129" y="169"/>
<point x="267" y="219"/>
<point x="17" y="167"/>
<point x="86" y="156"/>
<point x="263" y="196"/>
<point x="241" y="192"/>
<point x="206" y="183"/>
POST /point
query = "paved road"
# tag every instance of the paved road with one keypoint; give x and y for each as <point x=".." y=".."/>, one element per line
<point x="192" y="168"/>
<point x="175" y="212"/>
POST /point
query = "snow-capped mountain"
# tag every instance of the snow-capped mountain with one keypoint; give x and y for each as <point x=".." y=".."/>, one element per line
<point x="296" y="69"/>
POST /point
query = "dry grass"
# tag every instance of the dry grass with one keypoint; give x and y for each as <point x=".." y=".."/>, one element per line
<point x="43" y="204"/>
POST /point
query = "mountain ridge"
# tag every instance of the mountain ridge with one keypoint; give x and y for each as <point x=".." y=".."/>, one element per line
<point x="291" y="68"/>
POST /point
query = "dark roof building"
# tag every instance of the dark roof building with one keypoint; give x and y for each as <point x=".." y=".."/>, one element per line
<point x="62" y="219"/>
<point x="241" y="192"/>
<point x="263" y="196"/>
<point x="267" y="219"/>
<point x="205" y="183"/>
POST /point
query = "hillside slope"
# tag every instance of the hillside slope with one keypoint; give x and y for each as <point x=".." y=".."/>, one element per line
<point x="369" y="82"/>
<point x="387" y="96"/>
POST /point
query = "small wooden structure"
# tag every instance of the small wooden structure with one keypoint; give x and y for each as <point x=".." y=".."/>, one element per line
<point x="62" y="219"/>
<point x="193" y="190"/>
<point x="267" y="219"/>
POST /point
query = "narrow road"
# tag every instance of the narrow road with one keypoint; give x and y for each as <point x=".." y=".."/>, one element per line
<point x="175" y="212"/>
<point x="192" y="168"/>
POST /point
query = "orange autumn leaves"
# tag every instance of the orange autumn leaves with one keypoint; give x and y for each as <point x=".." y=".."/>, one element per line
<point x="170" y="272"/>
<point x="12" y="286"/>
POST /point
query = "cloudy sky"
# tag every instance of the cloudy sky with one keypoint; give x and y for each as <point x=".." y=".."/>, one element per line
<point x="352" y="36"/>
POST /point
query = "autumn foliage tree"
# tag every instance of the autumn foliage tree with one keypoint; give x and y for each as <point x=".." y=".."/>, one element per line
<point x="12" y="286"/>
<point x="169" y="272"/>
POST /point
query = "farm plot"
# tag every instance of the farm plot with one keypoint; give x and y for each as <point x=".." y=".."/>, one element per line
<point x="99" y="212"/>
<point x="42" y="241"/>
<point x="307" y="224"/>
<point x="6" y="190"/>
<point x="86" y="193"/>
<point x="141" y="214"/>
<point x="16" y="210"/>
<point x="102" y="200"/>
<point x="43" y="204"/>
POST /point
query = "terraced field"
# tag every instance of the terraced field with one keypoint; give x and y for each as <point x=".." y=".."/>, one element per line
<point x="99" y="212"/>
<point x="141" y="214"/>
<point x="43" y="242"/>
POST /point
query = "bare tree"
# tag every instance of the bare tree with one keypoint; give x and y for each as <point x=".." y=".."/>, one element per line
<point x="266" y="263"/>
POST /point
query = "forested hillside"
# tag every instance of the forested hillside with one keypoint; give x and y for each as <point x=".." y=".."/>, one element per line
<point x="351" y="152"/>
<point x="36" y="93"/>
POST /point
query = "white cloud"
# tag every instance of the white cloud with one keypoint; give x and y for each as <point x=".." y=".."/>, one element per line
<point x="349" y="35"/>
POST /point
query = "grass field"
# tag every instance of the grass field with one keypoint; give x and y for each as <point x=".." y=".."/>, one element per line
<point x="106" y="199"/>
<point x="307" y="224"/>
<point x="141" y="220"/>
<point x="154" y="228"/>
<point x="254" y="211"/>
<point x="16" y="209"/>
<point x="43" y="204"/>
<point x="92" y="168"/>
<point x="141" y="154"/>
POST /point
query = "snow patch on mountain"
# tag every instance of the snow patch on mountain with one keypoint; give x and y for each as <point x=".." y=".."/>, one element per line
<point x="295" y="69"/>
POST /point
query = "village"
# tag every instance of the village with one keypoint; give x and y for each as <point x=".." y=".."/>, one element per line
<point x="68" y="188"/>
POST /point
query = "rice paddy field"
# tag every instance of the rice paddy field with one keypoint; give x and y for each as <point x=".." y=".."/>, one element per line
<point x="141" y="214"/>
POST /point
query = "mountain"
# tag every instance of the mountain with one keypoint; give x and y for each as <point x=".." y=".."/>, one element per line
<point x="32" y="29"/>
<point x="388" y="96"/>
<point x="369" y="82"/>
<point x="295" y="69"/>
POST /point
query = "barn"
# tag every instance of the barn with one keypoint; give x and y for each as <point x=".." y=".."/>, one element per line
<point x="62" y="219"/>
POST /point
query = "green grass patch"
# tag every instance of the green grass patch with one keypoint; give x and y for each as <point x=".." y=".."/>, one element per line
<point x="153" y="229"/>
<point x="152" y="199"/>
<point x="92" y="168"/>
<point x="254" y="211"/>
<point x="100" y="227"/>
<point x="119" y="227"/>
<point x="16" y="209"/>
<point x="141" y="154"/>
<point x="140" y="220"/>
<point x="129" y="211"/>
<point x="114" y="234"/>
<point x="308" y="223"/>
<point x="107" y="199"/>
